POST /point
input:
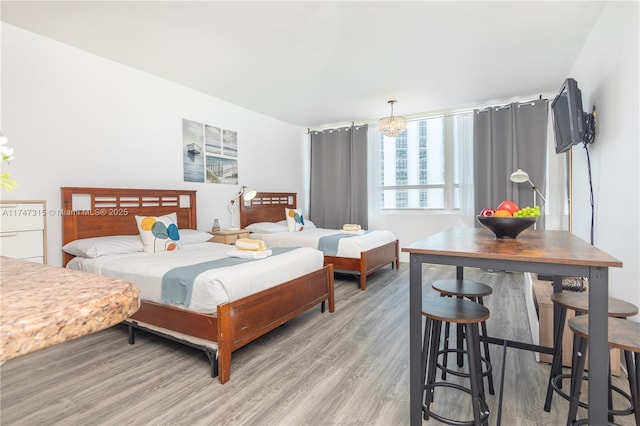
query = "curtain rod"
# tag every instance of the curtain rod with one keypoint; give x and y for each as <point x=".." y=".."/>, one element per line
<point x="508" y="105"/>
<point x="462" y="110"/>
<point x="336" y="126"/>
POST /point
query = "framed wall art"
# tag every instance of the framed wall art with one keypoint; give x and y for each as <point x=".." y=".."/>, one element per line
<point x="209" y="154"/>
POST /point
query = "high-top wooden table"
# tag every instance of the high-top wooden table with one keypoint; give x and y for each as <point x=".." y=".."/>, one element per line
<point x="557" y="253"/>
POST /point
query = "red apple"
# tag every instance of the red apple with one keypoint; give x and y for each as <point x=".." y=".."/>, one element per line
<point x="487" y="212"/>
<point x="509" y="206"/>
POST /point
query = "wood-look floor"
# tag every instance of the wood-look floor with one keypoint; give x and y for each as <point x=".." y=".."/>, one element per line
<point x="345" y="368"/>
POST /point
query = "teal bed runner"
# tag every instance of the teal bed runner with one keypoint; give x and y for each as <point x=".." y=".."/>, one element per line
<point x="177" y="283"/>
<point x="329" y="243"/>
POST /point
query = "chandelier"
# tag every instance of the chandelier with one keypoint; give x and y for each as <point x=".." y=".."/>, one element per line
<point x="392" y="126"/>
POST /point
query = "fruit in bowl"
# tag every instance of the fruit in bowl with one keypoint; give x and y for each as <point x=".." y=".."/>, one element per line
<point x="508" y="220"/>
<point x="528" y="212"/>
<point x="509" y="206"/>
<point x="502" y="213"/>
<point x="487" y="212"/>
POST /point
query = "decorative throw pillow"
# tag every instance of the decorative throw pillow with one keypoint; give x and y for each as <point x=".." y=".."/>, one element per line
<point x="295" y="220"/>
<point x="159" y="234"/>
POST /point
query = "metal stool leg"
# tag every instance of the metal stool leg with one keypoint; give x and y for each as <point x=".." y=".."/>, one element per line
<point x="610" y="395"/>
<point x="487" y="355"/>
<point x="633" y="373"/>
<point x="445" y="355"/>
<point x="576" y="382"/>
<point x="500" y="397"/>
<point x="425" y="349"/>
<point x="636" y="398"/>
<point x="460" y="342"/>
<point x="475" y="371"/>
<point x="433" y="359"/>
<point x="556" y="365"/>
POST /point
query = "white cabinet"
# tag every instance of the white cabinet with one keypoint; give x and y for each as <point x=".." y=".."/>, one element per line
<point x="23" y="229"/>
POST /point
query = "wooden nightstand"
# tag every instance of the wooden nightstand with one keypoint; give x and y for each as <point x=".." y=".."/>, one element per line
<point x="228" y="236"/>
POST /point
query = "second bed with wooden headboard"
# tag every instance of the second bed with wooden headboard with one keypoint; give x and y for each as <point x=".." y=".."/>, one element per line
<point x="269" y="207"/>
<point x="227" y="326"/>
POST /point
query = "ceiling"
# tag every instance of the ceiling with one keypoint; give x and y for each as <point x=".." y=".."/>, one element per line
<point x="317" y="63"/>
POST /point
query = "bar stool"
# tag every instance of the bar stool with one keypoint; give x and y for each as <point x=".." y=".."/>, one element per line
<point x="623" y="335"/>
<point x="446" y="310"/>
<point x="474" y="291"/>
<point x="578" y="302"/>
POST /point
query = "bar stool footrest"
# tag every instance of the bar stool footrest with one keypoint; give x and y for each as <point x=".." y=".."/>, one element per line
<point x="485" y="373"/>
<point x="622" y="412"/>
<point x="430" y="387"/>
<point x="586" y="422"/>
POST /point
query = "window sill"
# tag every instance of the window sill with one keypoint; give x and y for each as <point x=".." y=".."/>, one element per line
<point x="425" y="212"/>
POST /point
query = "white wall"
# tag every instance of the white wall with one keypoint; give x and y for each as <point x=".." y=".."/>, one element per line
<point x="76" y="119"/>
<point x="607" y="73"/>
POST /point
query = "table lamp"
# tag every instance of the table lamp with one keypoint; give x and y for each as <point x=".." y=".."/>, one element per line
<point x="520" y="176"/>
<point x="247" y="195"/>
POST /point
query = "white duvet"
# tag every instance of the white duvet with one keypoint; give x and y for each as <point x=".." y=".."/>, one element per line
<point x="211" y="288"/>
<point x="351" y="246"/>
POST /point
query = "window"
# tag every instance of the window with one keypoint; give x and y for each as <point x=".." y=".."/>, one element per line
<point x="420" y="168"/>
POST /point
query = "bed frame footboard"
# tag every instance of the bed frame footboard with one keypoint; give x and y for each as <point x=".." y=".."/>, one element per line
<point x="369" y="261"/>
<point x="270" y="207"/>
<point x="244" y="320"/>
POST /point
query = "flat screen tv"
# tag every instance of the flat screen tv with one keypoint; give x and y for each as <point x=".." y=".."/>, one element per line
<point x="568" y="117"/>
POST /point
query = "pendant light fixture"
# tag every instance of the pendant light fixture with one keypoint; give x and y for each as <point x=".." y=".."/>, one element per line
<point x="392" y="126"/>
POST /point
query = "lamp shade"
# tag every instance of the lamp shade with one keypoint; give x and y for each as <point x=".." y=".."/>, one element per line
<point x="246" y="193"/>
<point x="249" y="194"/>
<point x="519" y="176"/>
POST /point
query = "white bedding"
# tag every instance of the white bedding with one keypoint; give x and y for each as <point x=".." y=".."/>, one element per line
<point x="347" y="247"/>
<point x="211" y="288"/>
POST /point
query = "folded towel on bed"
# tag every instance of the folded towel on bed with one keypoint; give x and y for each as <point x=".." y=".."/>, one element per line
<point x="360" y="232"/>
<point x="351" y="227"/>
<point x="247" y="244"/>
<point x="243" y="254"/>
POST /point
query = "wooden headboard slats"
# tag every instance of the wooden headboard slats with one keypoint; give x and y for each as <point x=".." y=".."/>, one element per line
<point x="99" y="212"/>
<point x="266" y="207"/>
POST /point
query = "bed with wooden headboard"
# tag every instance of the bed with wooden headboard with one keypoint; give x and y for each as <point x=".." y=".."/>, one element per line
<point x="96" y="212"/>
<point x="270" y="207"/>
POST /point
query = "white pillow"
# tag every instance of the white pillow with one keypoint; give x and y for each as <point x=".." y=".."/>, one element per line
<point x="267" y="227"/>
<point x="159" y="233"/>
<point x="295" y="220"/>
<point x="193" y="236"/>
<point x="308" y="224"/>
<point x="104" y="246"/>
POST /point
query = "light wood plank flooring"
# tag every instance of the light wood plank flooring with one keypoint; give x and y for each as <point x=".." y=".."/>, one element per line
<point x="345" y="368"/>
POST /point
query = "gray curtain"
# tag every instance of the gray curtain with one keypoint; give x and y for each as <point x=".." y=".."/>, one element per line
<point x="506" y="138"/>
<point x="338" y="192"/>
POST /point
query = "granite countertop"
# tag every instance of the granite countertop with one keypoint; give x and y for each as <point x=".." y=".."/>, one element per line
<point x="43" y="305"/>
